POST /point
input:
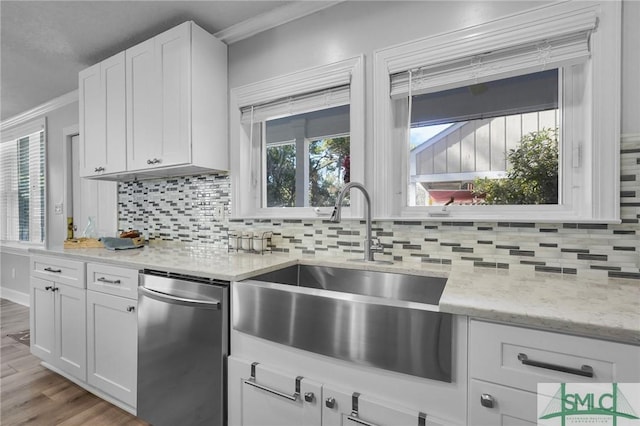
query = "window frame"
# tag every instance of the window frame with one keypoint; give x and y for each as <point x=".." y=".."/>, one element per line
<point x="14" y="135"/>
<point x="246" y="187"/>
<point x="590" y="165"/>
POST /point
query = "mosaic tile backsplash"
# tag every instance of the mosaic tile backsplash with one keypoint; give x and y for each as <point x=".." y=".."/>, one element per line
<point x="188" y="209"/>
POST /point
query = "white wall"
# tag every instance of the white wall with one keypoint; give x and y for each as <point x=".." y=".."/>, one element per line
<point x="56" y="121"/>
<point x="14" y="276"/>
<point x="14" y="279"/>
<point x="630" y="67"/>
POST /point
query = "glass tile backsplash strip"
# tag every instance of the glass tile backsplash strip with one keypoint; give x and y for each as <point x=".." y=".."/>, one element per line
<point x="188" y="209"/>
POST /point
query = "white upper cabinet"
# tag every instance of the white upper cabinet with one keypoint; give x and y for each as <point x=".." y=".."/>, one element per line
<point x="102" y="118"/>
<point x="174" y="117"/>
<point x="143" y="111"/>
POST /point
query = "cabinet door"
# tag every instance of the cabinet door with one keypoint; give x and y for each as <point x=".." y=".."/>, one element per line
<point x="343" y="408"/>
<point x="71" y="327"/>
<point x="103" y="117"/>
<point x="143" y="107"/>
<point x="112" y="334"/>
<point x="270" y="398"/>
<point x="173" y="61"/>
<point x="112" y="73"/>
<point x="91" y="114"/>
<point x="41" y="315"/>
<point x="504" y="406"/>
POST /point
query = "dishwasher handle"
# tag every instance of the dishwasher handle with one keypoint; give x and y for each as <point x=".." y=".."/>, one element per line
<point x="169" y="298"/>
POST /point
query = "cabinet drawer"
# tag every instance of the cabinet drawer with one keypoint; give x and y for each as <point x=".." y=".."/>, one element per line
<point x="506" y="406"/>
<point x="112" y="280"/>
<point x="60" y="270"/>
<point x="522" y="357"/>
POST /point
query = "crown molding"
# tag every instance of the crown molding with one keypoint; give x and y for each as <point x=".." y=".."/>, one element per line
<point x="42" y="109"/>
<point x="272" y="19"/>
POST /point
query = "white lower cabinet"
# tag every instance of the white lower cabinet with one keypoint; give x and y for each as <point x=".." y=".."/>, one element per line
<point x="112" y="342"/>
<point x="507" y="363"/>
<point x="262" y="396"/>
<point x="88" y="335"/>
<point x="348" y="408"/>
<point x="503" y="406"/>
<point x="57" y="323"/>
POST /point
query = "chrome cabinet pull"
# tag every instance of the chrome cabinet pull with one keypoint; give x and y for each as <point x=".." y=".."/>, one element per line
<point x="309" y="397"/>
<point x="154" y="161"/>
<point x="131" y="308"/>
<point x="486" y="400"/>
<point x="49" y="269"/>
<point x="584" y="371"/>
<point x="99" y="169"/>
<point x="354" y="417"/>
<point x="108" y="281"/>
<point x="48" y="287"/>
<point x="252" y="382"/>
<point x="359" y="421"/>
<point x="55" y="289"/>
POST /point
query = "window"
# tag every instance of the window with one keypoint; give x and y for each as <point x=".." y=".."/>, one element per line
<point x="488" y="143"/>
<point x="471" y="106"/>
<point x="299" y="143"/>
<point x="22" y="185"/>
<point x="309" y="168"/>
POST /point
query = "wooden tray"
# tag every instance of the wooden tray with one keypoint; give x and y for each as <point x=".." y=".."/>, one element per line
<point x="77" y="243"/>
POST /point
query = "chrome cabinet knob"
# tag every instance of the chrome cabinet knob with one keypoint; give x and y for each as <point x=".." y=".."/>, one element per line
<point x="486" y="400"/>
<point x="330" y="402"/>
<point x="308" y="396"/>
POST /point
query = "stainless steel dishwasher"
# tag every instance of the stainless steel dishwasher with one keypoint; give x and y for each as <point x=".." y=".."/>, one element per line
<point x="183" y="343"/>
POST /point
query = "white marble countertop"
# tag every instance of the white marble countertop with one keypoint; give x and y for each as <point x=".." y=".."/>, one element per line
<point x="606" y="308"/>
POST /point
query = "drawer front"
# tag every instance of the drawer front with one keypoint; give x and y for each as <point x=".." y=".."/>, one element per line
<point x="495" y="405"/>
<point x="59" y="270"/>
<point x="112" y="280"/>
<point x="522" y="357"/>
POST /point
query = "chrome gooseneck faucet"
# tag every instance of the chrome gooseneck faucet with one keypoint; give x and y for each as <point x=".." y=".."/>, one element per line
<point x="371" y="245"/>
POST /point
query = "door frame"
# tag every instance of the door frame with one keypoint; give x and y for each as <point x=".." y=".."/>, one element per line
<point x="67" y="134"/>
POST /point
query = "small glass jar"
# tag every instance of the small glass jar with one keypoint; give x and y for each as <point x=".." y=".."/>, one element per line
<point x="247" y="237"/>
<point x="258" y="243"/>
<point x="233" y="240"/>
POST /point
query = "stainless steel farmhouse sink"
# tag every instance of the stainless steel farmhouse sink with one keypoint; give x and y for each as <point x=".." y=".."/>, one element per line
<point x="379" y="319"/>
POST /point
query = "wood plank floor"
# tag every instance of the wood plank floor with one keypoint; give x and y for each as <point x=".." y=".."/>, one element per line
<point x="32" y="395"/>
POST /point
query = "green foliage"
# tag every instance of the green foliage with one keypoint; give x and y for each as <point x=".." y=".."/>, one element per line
<point x="533" y="176"/>
<point x="281" y="176"/>
<point x="326" y="157"/>
<point x="325" y="160"/>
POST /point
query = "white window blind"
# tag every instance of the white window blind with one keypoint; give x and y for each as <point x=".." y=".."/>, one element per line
<point x="22" y="183"/>
<point x="298" y="104"/>
<point x="560" y="51"/>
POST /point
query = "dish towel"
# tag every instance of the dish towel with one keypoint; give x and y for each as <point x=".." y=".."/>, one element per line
<point x="111" y="243"/>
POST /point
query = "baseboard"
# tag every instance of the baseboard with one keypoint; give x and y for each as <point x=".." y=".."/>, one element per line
<point x="15" y="296"/>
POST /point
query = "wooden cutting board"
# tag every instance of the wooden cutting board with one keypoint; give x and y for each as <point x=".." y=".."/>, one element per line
<point x="77" y="243"/>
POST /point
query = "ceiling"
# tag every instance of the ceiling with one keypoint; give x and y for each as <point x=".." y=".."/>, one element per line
<point x="44" y="44"/>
